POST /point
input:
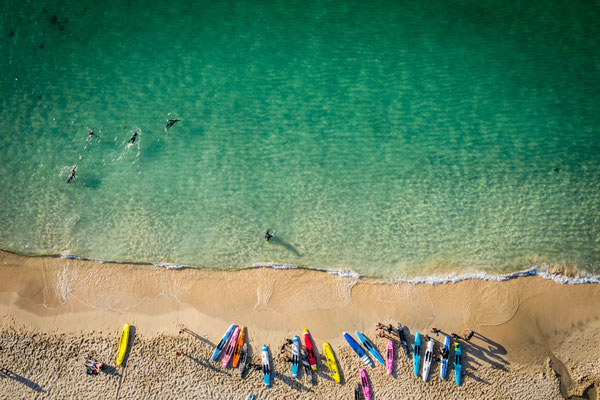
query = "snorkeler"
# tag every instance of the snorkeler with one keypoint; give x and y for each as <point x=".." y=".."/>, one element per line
<point x="72" y="175"/>
<point x="171" y="122"/>
<point x="132" y="138"/>
<point x="267" y="236"/>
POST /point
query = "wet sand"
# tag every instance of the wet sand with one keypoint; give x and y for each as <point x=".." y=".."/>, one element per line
<point x="534" y="337"/>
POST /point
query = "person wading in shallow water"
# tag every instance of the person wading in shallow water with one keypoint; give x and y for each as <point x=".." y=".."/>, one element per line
<point x="267" y="235"/>
<point x="72" y="175"/>
<point x="132" y="138"/>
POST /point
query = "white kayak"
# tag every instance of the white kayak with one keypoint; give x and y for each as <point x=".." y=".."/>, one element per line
<point x="428" y="359"/>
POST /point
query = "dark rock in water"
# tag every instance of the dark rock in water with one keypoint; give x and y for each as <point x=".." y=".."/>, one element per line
<point x="40" y="97"/>
<point x="556" y="170"/>
<point x="41" y="46"/>
<point x="11" y="33"/>
<point x="53" y="19"/>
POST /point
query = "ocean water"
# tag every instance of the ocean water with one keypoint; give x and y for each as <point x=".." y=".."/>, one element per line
<point x="393" y="139"/>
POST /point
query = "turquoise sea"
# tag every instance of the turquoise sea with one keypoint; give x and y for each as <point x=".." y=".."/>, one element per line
<point x="393" y="139"/>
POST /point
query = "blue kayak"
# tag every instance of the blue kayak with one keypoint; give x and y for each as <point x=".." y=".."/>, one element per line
<point x="445" y="357"/>
<point x="417" y="354"/>
<point x="357" y="349"/>
<point x="370" y="347"/>
<point x="457" y="362"/>
<point x="222" y="343"/>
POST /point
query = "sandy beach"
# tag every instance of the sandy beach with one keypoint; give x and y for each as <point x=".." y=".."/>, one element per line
<point x="534" y="339"/>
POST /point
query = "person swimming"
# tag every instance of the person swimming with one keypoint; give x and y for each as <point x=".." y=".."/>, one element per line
<point x="267" y="236"/>
<point x="170" y="123"/>
<point x="132" y="138"/>
<point x="72" y="175"/>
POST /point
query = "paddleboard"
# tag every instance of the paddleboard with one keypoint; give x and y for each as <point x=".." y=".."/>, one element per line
<point x="365" y="384"/>
<point x="370" y="347"/>
<point x="417" y="354"/>
<point x="331" y="362"/>
<point x="295" y="356"/>
<point x="390" y="357"/>
<point x="428" y="359"/>
<point x="444" y="363"/>
<point x="250" y="397"/>
<point x="230" y="347"/>
<point x="306" y="365"/>
<point x="243" y="356"/>
<point x="239" y="344"/>
<point x="310" y="351"/>
<point x="403" y="339"/>
<point x="357" y="349"/>
<point x="222" y="343"/>
<point x="457" y="363"/>
<point x="266" y="366"/>
<point x="123" y="343"/>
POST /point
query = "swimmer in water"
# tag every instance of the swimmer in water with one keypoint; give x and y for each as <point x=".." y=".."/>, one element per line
<point x="170" y="123"/>
<point x="72" y="175"/>
<point x="267" y="236"/>
<point x="132" y="138"/>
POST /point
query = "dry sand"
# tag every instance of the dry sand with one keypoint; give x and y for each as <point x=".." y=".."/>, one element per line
<point x="534" y="337"/>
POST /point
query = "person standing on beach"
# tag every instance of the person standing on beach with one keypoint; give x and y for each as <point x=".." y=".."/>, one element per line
<point x="469" y="335"/>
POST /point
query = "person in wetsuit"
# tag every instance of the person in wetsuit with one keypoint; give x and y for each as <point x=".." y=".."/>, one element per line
<point x="267" y="236"/>
<point x="72" y="175"/>
<point x="170" y="123"/>
<point x="132" y="138"/>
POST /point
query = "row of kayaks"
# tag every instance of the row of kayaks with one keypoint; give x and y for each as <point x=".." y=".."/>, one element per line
<point x="234" y="350"/>
<point x="428" y="358"/>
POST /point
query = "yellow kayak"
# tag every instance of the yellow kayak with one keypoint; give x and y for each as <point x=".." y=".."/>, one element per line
<point x="123" y="342"/>
<point x="331" y="362"/>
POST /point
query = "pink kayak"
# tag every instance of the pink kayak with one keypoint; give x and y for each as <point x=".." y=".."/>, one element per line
<point x="365" y="384"/>
<point x="230" y="347"/>
<point x="390" y="357"/>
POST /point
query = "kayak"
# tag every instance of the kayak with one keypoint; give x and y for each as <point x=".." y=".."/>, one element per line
<point x="222" y="343"/>
<point x="356" y="391"/>
<point x="457" y="362"/>
<point x="370" y="347"/>
<point x="310" y="351"/>
<point x="243" y="356"/>
<point x="428" y="359"/>
<point x="295" y="356"/>
<point x="266" y="366"/>
<point x="365" y="384"/>
<point x="403" y="339"/>
<point x="230" y="347"/>
<point x="123" y="342"/>
<point x="390" y="357"/>
<point x="417" y="354"/>
<point x="238" y="347"/>
<point x="357" y="349"/>
<point x="331" y="362"/>
<point x="306" y="365"/>
<point x="444" y="364"/>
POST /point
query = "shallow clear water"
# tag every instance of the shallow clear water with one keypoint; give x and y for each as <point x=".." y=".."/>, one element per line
<point x="396" y="140"/>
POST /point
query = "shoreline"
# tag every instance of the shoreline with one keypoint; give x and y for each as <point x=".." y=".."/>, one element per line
<point x="522" y="325"/>
<point x="559" y="273"/>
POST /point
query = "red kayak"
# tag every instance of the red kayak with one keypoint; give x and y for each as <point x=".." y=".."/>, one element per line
<point x="310" y="352"/>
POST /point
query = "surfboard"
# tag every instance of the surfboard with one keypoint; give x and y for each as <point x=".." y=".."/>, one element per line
<point x="238" y="348"/>
<point x="243" y="356"/>
<point x="310" y="351"/>
<point x="370" y="347"/>
<point x="123" y="343"/>
<point x="457" y="363"/>
<point x="222" y="343"/>
<point x="295" y="356"/>
<point x="417" y="354"/>
<point x="444" y="363"/>
<point x="428" y="359"/>
<point x="333" y="367"/>
<point x="365" y="384"/>
<point x="403" y="339"/>
<point x="230" y="347"/>
<point x="266" y="366"/>
<point x="390" y="357"/>
<point x="357" y="349"/>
